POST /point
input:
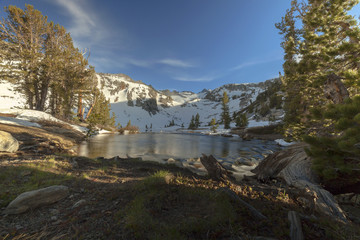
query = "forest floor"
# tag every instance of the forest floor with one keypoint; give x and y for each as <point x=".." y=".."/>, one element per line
<point x="133" y="199"/>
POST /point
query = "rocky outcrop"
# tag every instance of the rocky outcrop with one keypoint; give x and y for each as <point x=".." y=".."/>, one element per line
<point x="150" y="105"/>
<point x="8" y="143"/>
<point x="37" y="198"/>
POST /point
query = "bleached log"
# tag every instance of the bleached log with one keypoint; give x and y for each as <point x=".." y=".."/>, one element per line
<point x="296" y="232"/>
<point x="253" y="211"/>
<point x="294" y="166"/>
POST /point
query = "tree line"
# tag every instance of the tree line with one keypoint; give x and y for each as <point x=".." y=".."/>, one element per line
<point x="39" y="58"/>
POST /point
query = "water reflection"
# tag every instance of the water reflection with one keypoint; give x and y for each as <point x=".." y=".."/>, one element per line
<point x="152" y="146"/>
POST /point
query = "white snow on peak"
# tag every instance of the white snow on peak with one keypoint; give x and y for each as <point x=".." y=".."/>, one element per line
<point x="149" y="108"/>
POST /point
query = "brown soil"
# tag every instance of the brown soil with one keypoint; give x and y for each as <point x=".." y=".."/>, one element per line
<point x="52" y="138"/>
<point x="107" y="186"/>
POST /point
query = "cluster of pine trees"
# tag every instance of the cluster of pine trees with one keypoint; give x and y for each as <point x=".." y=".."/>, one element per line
<point x="321" y="41"/>
<point x="195" y="122"/>
<point x="40" y="59"/>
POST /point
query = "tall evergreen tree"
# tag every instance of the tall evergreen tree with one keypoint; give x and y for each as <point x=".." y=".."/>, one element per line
<point x="327" y="43"/>
<point x="328" y="54"/>
<point x="26" y="29"/>
<point x="43" y="60"/>
<point x="225" y="111"/>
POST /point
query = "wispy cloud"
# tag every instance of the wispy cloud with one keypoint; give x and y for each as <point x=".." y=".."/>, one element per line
<point x="256" y="62"/>
<point x="176" y="63"/>
<point x="82" y="23"/>
<point x="150" y="63"/>
<point x="194" y="79"/>
<point x="88" y="29"/>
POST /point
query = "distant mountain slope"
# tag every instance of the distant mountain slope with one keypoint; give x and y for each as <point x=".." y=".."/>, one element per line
<point x="145" y="106"/>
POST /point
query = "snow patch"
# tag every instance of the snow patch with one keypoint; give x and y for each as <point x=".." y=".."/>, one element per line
<point x="283" y="143"/>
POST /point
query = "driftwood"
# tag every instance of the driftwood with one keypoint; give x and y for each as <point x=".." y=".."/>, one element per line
<point x="215" y="170"/>
<point x="335" y="90"/>
<point x="253" y="211"/>
<point x="296" y="232"/>
<point x="294" y="166"/>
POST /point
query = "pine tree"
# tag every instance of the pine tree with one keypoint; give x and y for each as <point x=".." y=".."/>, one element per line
<point x="327" y="46"/>
<point x="26" y="29"/>
<point x="241" y="120"/>
<point x="337" y="155"/>
<point x="327" y="43"/>
<point x="225" y="114"/>
<point x="197" y="121"/>
<point x="128" y="124"/>
<point x="42" y="59"/>
<point x="213" y="125"/>
<point x="100" y="114"/>
<point x="192" y="123"/>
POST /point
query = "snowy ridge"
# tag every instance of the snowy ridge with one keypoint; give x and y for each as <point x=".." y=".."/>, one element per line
<point x="145" y="106"/>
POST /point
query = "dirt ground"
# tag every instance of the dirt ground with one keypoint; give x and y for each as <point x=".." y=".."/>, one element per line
<point x="108" y="200"/>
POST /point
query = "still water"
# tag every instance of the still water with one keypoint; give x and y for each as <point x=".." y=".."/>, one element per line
<point x="180" y="146"/>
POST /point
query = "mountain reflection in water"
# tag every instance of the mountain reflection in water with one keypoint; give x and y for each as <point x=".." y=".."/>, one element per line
<point x="159" y="146"/>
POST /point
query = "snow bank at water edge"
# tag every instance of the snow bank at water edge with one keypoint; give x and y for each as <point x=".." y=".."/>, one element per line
<point x="28" y="118"/>
<point x="283" y="143"/>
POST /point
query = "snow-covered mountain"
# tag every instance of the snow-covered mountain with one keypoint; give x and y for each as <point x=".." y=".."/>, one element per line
<point x="146" y="106"/>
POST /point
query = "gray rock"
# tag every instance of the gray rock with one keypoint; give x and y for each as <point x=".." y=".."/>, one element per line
<point x="37" y="198"/>
<point x="8" y="143"/>
<point x="79" y="203"/>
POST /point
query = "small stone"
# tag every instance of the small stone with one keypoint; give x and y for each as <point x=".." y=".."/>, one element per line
<point x="171" y="160"/>
<point x="8" y="143"/>
<point x="54" y="218"/>
<point x="79" y="203"/>
<point x="37" y="198"/>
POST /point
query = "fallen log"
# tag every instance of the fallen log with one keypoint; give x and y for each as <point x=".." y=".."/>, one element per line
<point x="296" y="232"/>
<point x="294" y="166"/>
<point x="215" y="170"/>
<point x="253" y="211"/>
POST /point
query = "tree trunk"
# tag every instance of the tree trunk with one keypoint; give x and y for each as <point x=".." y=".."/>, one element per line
<point x="215" y="170"/>
<point x="335" y="90"/>
<point x="79" y="110"/>
<point x="91" y="108"/>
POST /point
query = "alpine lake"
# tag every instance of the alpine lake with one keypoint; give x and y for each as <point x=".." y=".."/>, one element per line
<point x="182" y="149"/>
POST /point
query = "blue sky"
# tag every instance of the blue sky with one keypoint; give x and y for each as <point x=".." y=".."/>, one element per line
<point x="174" y="44"/>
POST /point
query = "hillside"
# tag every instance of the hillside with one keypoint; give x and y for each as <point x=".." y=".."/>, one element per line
<point x="145" y="106"/>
